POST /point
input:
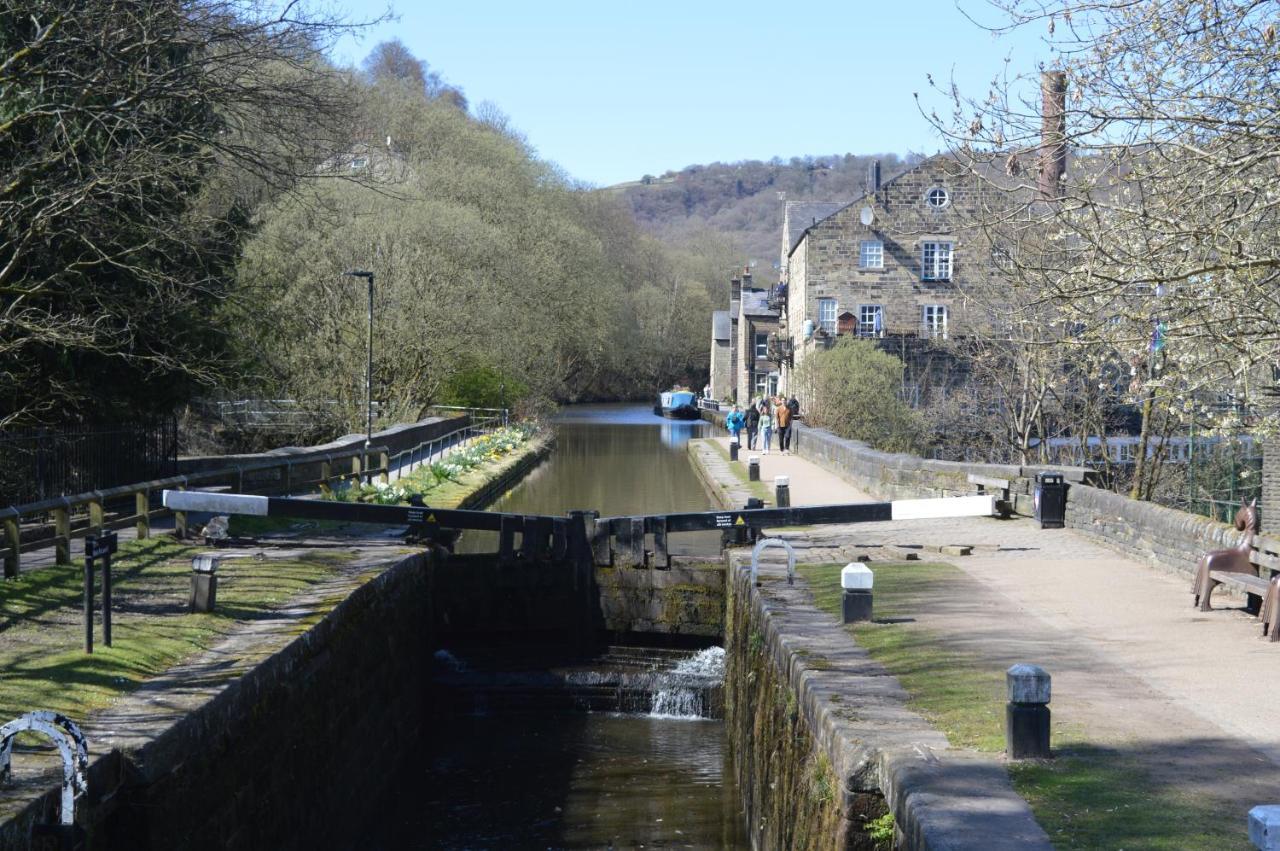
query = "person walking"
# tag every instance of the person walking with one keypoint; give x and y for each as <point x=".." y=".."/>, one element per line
<point x="793" y="405"/>
<point x="752" y="422"/>
<point x="766" y="427"/>
<point x="784" y="428"/>
<point x="734" y="423"/>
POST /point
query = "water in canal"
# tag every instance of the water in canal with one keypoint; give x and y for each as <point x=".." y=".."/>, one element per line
<point x="618" y="460"/>
<point x="589" y="779"/>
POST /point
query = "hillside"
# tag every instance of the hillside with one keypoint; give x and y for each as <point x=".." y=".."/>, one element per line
<point x="743" y="201"/>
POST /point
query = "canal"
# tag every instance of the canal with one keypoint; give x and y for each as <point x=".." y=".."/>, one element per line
<point x="577" y="779"/>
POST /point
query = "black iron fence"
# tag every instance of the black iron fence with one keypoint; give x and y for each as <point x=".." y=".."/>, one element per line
<point x="42" y="463"/>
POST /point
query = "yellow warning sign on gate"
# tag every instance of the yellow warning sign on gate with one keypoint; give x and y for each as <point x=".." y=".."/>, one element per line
<point x="431" y="518"/>
<point x="739" y="521"/>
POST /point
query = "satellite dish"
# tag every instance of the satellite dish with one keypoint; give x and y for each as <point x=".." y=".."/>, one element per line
<point x="867" y="216"/>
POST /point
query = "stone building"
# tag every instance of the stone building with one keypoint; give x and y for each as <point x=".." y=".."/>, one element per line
<point x="889" y="265"/>
<point x="741" y="368"/>
<point x="722" y="379"/>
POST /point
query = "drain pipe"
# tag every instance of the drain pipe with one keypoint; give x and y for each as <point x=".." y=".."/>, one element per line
<point x="75" y="764"/>
<point x="773" y="542"/>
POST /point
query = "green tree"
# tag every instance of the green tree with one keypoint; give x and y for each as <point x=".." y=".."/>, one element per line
<point x="854" y="390"/>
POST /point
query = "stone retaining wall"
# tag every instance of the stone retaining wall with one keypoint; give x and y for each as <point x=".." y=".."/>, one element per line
<point x="887" y="475"/>
<point x="823" y="743"/>
<point x="292" y="754"/>
<point x="307" y="459"/>
<point x="1171" y="539"/>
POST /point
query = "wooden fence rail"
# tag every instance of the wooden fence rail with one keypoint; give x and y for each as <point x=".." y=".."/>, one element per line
<point x="88" y="513"/>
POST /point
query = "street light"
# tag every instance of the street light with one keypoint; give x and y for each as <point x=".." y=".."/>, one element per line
<point x="368" y="368"/>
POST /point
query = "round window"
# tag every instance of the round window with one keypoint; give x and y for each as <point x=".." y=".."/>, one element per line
<point x="937" y="197"/>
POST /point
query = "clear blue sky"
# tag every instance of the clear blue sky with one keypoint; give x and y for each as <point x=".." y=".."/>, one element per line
<point x="612" y="91"/>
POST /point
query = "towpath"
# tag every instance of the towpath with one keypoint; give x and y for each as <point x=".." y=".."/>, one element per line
<point x="1135" y="667"/>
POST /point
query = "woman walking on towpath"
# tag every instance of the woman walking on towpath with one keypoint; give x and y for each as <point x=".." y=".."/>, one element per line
<point x="766" y="427"/>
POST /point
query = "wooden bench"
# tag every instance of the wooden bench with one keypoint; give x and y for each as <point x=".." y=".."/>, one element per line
<point x="1262" y="595"/>
<point x="1003" y="503"/>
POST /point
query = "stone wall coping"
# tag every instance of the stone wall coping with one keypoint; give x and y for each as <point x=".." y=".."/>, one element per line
<point x="392" y="437"/>
<point x="941" y="798"/>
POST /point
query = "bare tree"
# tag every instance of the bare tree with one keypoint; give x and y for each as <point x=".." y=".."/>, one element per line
<point x="134" y="138"/>
<point x="1157" y="246"/>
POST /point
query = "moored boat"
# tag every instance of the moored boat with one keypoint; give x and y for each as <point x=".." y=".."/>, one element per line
<point x="677" y="405"/>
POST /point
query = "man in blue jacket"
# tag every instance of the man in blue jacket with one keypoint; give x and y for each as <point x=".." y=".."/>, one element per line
<point x="734" y="422"/>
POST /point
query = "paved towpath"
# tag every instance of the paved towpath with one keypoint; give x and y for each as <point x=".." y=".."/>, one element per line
<point x="1136" y="668"/>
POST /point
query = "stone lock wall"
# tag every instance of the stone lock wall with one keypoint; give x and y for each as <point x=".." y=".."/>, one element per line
<point x="292" y="754"/>
<point x="687" y="600"/>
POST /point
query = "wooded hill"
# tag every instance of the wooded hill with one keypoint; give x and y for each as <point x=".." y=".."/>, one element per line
<point x="743" y="201"/>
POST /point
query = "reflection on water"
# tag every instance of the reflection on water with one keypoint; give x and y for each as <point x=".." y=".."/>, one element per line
<point x="589" y="780"/>
<point x="618" y="460"/>
<point x="583" y="780"/>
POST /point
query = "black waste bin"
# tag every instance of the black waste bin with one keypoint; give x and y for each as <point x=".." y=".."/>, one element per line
<point x="1051" y="500"/>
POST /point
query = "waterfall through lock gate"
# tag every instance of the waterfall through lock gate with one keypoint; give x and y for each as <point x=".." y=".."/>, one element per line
<point x="682" y="692"/>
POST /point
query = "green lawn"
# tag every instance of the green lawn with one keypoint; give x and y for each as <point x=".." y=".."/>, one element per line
<point x="1087" y="797"/>
<point x="41" y="626"/>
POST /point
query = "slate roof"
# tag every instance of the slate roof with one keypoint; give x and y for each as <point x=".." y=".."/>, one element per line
<point x="801" y="215"/>
<point x="756" y="303"/>
<point x="720" y="325"/>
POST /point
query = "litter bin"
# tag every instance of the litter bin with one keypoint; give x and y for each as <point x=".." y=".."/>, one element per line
<point x="1051" y="500"/>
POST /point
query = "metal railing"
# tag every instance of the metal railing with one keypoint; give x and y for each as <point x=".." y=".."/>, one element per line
<point x="439" y="448"/>
<point x="59" y="520"/>
<point x="504" y="413"/>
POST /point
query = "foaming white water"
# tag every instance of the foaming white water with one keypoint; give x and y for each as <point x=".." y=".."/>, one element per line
<point x="682" y="691"/>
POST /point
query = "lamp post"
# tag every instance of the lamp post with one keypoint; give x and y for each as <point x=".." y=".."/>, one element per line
<point x="368" y="369"/>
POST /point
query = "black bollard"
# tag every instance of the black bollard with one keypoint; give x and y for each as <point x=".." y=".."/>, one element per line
<point x="855" y="580"/>
<point x="782" y="491"/>
<point x="1027" y="714"/>
<point x="733" y="450"/>
<point x="753" y="468"/>
<point x="204" y="582"/>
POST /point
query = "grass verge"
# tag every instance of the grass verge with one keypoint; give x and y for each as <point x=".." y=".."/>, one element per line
<point x="739" y="469"/>
<point x="42" y="632"/>
<point x="1087" y="797"/>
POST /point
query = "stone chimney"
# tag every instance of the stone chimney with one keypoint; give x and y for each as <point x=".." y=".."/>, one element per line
<point x="746" y="278"/>
<point x="1053" y="133"/>
<point x="873" y="177"/>
<point x="735" y="289"/>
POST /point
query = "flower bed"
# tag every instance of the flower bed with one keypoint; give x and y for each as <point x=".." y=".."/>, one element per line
<point x="486" y="449"/>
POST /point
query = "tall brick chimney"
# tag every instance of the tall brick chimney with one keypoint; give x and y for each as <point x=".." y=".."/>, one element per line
<point x="746" y="277"/>
<point x="1053" y="133"/>
<point x="873" y="177"/>
<point x="735" y="289"/>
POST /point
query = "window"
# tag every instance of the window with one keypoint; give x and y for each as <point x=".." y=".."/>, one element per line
<point x="933" y="321"/>
<point x="359" y="163"/>
<point x="761" y="384"/>
<point x="935" y="261"/>
<point x="762" y="345"/>
<point x="827" y="314"/>
<point x="937" y="198"/>
<point x="870" y="321"/>
<point x="871" y="254"/>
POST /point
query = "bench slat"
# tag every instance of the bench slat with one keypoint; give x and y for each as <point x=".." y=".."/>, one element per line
<point x="1243" y="580"/>
<point x="1267" y="560"/>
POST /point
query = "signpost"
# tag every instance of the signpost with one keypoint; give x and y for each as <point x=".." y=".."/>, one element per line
<point x="96" y="547"/>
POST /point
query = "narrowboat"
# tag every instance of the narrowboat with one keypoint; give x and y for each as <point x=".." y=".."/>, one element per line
<point x="677" y="405"/>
